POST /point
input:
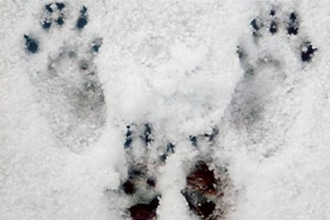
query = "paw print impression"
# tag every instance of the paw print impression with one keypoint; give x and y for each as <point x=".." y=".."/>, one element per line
<point x="256" y="110"/>
<point x="68" y="87"/>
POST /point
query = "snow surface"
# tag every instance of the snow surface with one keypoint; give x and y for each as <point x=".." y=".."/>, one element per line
<point x="173" y="64"/>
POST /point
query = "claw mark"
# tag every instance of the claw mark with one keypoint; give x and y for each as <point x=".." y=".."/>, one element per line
<point x="169" y="150"/>
<point x="307" y="52"/>
<point x="193" y="140"/>
<point x="96" y="44"/>
<point x="255" y="25"/>
<point x="272" y="12"/>
<point x="211" y="136"/>
<point x="83" y="19"/>
<point x="293" y="25"/>
<point x="146" y="137"/>
<point x="60" y="5"/>
<point x="129" y="139"/>
<point x="273" y="27"/>
<point x="49" y="8"/>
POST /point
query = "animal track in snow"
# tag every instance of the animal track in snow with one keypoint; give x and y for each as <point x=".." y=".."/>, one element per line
<point x="69" y="87"/>
<point x="140" y="185"/>
<point x="270" y="78"/>
<point x="204" y="190"/>
<point x="207" y="185"/>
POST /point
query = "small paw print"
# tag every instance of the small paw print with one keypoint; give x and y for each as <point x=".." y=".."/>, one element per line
<point x="143" y="160"/>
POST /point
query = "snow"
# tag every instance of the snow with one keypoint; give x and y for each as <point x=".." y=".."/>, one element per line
<point x="172" y="64"/>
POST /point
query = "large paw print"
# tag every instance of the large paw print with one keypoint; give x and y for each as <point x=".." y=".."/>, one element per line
<point x="68" y="86"/>
<point x="271" y="58"/>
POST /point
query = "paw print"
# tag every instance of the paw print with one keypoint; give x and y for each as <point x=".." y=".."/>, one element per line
<point x="271" y="59"/>
<point x="68" y="87"/>
<point x="206" y="185"/>
<point x="140" y="184"/>
<point x="204" y="190"/>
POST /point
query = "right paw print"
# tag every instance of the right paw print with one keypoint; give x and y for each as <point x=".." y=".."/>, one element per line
<point x="271" y="58"/>
<point x="68" y="85"/>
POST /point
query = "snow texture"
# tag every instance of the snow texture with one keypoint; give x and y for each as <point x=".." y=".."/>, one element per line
<point x="240" y="84"/>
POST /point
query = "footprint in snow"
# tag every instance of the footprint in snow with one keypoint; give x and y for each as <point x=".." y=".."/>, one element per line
<point x="204" y="190"/>
<point x="69" y="87"/>
<point x="269" y="82"/>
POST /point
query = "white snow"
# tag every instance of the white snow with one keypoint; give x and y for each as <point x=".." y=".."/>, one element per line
<point x="173" y="64"/>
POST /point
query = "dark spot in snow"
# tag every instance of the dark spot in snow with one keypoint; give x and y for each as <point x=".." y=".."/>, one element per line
<point x="201" y="186"/>
<point x="151" y="182"/>
<point x="82" y="22"/>
<point x="307" y="52"/>
<point x="273" y="27"/>
<point x="46" y="24"/>
<point x="199" y="204"/>
<point x="211" y="136"/>
<point x="60" y="5"/>
<point x="272" y="12"/>
<point x="48" y="7"/>
<point x="83" y="10"/>
<point x="193" y="140"/>
<point x="255" y="25"/>
<point x="147" y="137"/>
<point x="96" y="44"/>
<point x="293" y="25"/>
<point x="128" y="140"/>
<point x="144" y="211"/>
<point x="202" y="178"/>
<point x="31" y="44"/>
<point x="169" y="150"/>
<point x="60" y="20"/>
<point x="129" y="187"/>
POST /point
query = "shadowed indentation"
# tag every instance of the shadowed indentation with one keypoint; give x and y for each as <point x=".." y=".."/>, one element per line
<point x="83" y="18"/>
<point x="293" y="25"/>
<point x="307" y="52"/>
<point x="144" y="211"/>
<point x="31" y="44"/>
